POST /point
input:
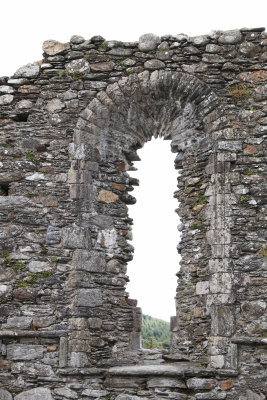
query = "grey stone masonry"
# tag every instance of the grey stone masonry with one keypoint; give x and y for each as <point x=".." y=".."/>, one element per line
<point x="71" y="126"/>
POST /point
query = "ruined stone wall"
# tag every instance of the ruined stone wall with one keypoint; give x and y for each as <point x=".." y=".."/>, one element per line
<point x="70" y="128"/>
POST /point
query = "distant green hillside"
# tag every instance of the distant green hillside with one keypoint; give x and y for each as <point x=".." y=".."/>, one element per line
<point x="155" y="333"/>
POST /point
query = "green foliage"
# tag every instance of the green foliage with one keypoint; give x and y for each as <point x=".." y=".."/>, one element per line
<point x="53" y="259"/>
<point x="47" y="273"/>
<point x="249" y="171"/>
<point x="201" y="200"/>
<point x="155" y="333"/>
<point x="196" y="225"/>
<point x="129" y="71"/>
<point x="16" y="265"/>
<point x="27" y="281"/>
<point x="34" y="193"/>
<point x="63" y="74"/>
<point x="103" y="46"/>
<point x="243" y="199"/>
<point x="76" y="75"/>
<point x="263" y="252"/>
<point x="239" y="92"/>
<point x="32" y="278"/>
<point x="31" y="157"/>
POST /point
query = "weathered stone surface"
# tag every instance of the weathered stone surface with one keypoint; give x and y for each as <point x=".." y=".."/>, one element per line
<point x="6" y="89"/>
<point x="66" y="393"/>
<point x="28" y="71"/>
<point x="6" y="99"/>
<point x="80" y="65"/>
<point x="148" y="42"/>
<point x="5" y="395"/>
<point x="105" y="196"/>
<point x="230" y="37"/>
<point x="78" y="360"/>
<point x="93" y="393"/>
<point x="248" y="49"/>
<point x="38" y="266"/>
<point x="24" y="104"/>
<point x="102" y="67"/>
<point x="35" y="394"/>
<point x="89" y="261"/>
<point x="3" y="289"/>
<point x="254" y="76"/>
<point x="200" y="383"/>
<point x="154" y="64"/>
<point x="76" y="39"/>
<point x="55" y="105"/>
<point x="89" y="298"/>
<point x="75" y="237"/>
<point x="18" y="322"/>
<point x="24" y="352"/>
<point x="53" y="47"/>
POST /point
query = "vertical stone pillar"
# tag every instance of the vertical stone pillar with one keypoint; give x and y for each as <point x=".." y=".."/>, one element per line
<point x="220" y="297"/>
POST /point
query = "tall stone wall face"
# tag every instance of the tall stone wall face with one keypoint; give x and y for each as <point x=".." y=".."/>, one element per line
<point x="70" y="128"/>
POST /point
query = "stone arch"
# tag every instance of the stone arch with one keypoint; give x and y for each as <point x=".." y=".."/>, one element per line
<point x="118" y="121"/>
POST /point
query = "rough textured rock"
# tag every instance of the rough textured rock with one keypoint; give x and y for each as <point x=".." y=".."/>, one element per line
<point x="28" y="71"/>
<point x="52" y="47"/>
<point x="5" y="395"/>
<point x="35" y="394"/>
<point x="148" y="42"/>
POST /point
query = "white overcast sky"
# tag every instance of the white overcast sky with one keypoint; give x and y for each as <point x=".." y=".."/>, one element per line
<point x="25" y="24"/>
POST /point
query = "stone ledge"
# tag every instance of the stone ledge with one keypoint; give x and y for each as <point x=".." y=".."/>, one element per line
<point x="82" y="371"/>
<point x="9" y="333"/>
<point x="249" y="340"/>
<point x="175" y="369"/>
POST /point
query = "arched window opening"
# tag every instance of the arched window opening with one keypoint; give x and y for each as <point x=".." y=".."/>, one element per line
<point x="155" y="236"/>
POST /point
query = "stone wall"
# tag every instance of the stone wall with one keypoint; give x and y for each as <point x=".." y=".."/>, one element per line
<point x="70" y="128"/>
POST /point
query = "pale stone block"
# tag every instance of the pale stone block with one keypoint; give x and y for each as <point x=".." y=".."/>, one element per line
<point x="35" y="394"/>
<point x="202" y="287"/>
<point x="89" y="298"/>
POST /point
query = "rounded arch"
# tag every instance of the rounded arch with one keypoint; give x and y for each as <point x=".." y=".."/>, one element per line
<point x="117" y="122"/>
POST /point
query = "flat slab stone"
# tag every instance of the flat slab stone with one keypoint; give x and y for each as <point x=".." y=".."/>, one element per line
<point x="178" y="369"/>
